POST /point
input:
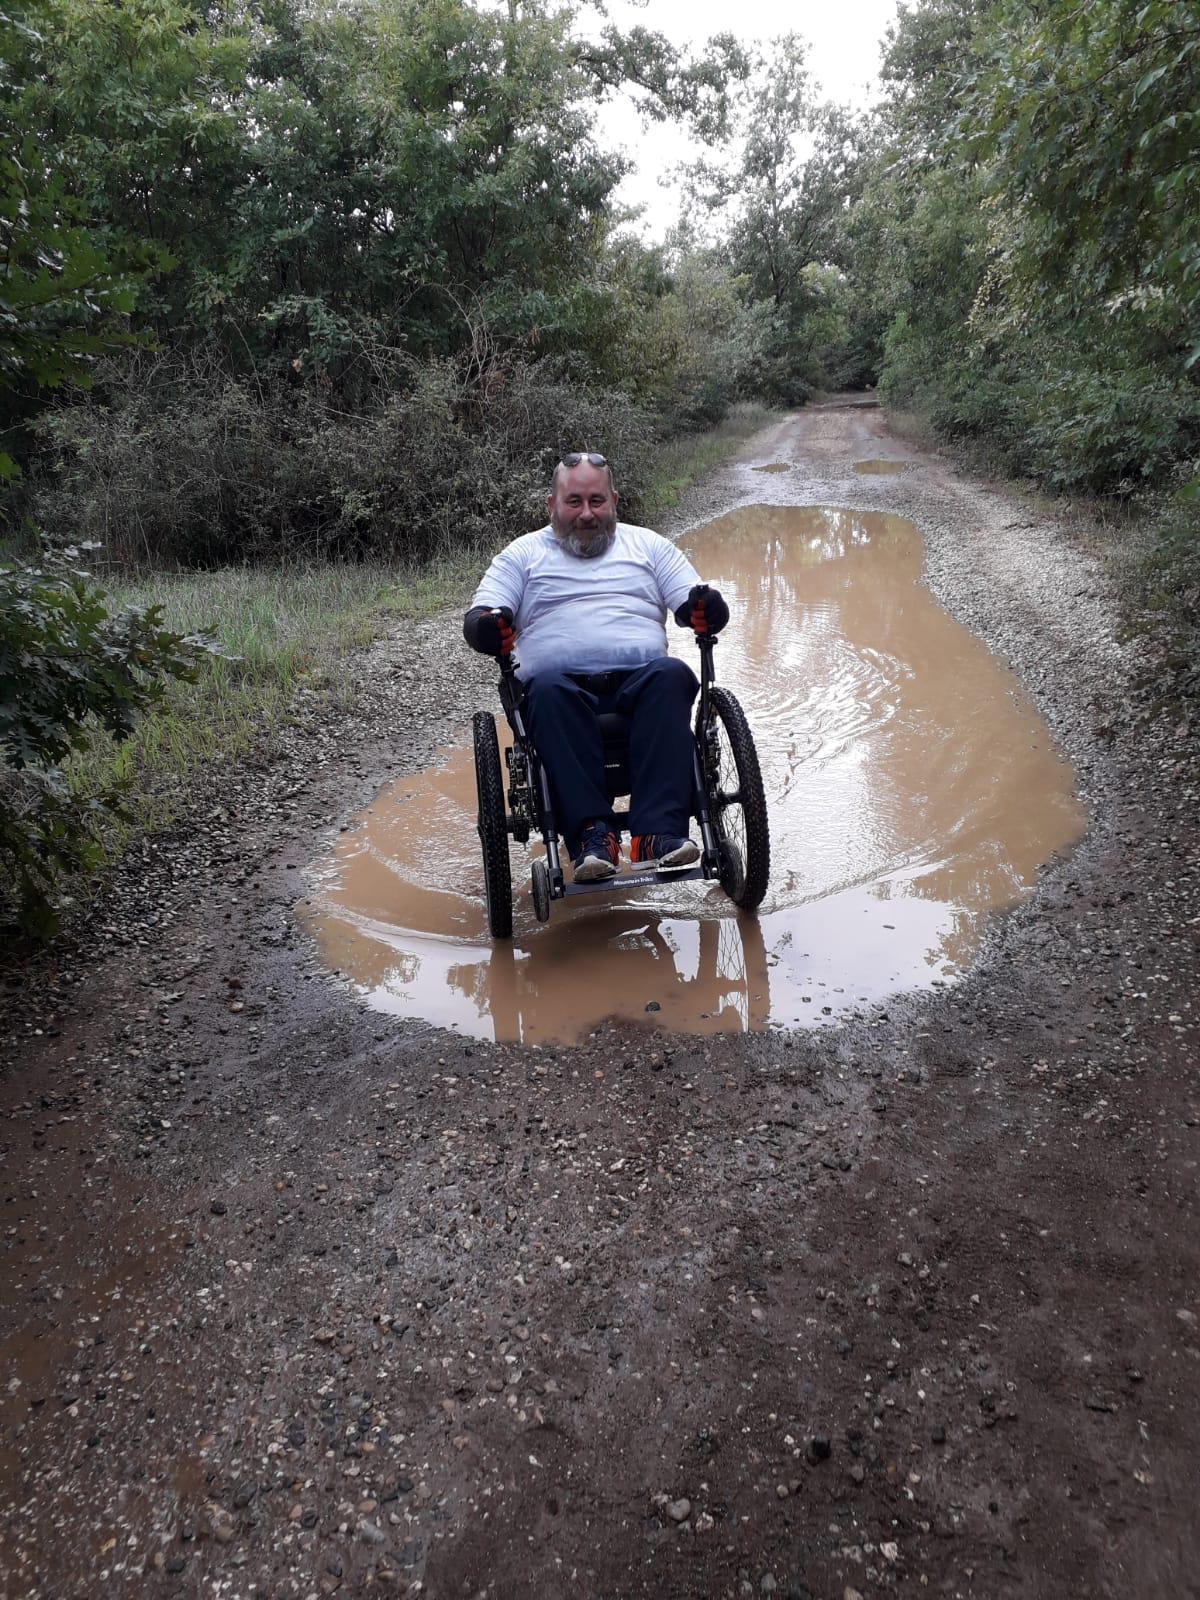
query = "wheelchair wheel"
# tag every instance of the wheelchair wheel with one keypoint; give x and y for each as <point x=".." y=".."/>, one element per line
<point x="732" y="876"/>
<point x="736" y="801"/>
<point x="540" y="890"/>
<point x="493" y="830"/>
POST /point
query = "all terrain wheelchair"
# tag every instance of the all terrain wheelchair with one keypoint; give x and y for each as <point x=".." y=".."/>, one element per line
<point x="727" y="803"/>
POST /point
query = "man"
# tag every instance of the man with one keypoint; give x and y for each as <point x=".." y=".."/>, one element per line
<point x="588" y="598"/>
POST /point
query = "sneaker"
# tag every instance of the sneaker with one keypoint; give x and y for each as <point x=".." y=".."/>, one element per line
<point x="599" y="852"/>
<point x="667" y="853"/>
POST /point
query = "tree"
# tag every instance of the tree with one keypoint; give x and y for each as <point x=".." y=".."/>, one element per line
<point x="61" y="289"/>
<point x="1026" y="243"/>
<point x="927" y="62"/>
<point x="141" y="107"/>
<point x="330" y="178"/>
<point x="67" y="664"/>
<point x="786" y="195"/>
<point x="1087" y="118"/>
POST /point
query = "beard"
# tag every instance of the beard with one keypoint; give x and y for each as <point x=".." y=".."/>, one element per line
<point x="587" y="543"/>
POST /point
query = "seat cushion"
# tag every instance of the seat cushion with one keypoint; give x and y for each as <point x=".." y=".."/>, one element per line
<point x="614" y="729"/>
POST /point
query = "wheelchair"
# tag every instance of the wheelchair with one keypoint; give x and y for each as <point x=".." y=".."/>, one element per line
<point x="728" y="803"/>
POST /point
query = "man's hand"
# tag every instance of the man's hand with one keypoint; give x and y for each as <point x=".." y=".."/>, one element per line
<point x="490" y="631"/>
<point x="704" y="610"/>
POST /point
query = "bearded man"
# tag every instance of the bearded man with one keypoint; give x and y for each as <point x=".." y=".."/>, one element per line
<point x="588" y="597"/>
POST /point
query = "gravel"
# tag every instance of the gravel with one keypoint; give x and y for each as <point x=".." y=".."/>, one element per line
<point x="466" y="1317"/>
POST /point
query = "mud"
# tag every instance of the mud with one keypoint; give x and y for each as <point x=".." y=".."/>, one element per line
<point x="879" y="468"/>
<point x="911" y="788"/>
<point x="906" y="1303"/>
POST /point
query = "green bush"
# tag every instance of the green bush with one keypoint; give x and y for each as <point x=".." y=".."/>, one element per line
<point x="178" y="462"/>
<point x="983" y="403"/>
<point x="1113" y="428"/>
<point x="1169" y="583"/>
<point x="67" y="668"/>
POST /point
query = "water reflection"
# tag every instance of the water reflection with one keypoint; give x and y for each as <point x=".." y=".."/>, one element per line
<point x="708" y="975"/>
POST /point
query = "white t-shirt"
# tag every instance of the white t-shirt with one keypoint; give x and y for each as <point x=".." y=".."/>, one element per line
<point x="575" y="614"/>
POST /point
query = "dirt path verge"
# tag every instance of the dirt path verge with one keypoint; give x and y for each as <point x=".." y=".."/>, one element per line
<point x="300" y="1299"/>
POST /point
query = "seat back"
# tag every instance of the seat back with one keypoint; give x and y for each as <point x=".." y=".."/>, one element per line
<point x="614" y="731"/>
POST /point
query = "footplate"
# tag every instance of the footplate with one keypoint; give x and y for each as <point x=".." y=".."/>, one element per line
<point x="640" y="880"/>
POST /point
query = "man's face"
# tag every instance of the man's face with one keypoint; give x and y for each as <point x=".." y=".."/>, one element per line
<point x="583" y="509"/>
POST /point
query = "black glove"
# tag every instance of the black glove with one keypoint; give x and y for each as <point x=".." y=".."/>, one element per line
<point x="704" y="610"/>
<point x="489" y="630"/>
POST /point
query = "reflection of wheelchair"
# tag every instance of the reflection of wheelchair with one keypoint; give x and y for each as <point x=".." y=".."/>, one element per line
<point x="548" y="994"/>
<point x="727" y="802"/>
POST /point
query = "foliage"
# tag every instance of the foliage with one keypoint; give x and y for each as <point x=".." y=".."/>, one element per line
<point x="68" y="667"/>
<point x="784" y="196"/>
<point x="1023" y="256"/>
<point x="1020" y="256"/>
<point x="688" y="340"/>
<point x="60" y="288"/>
<point x="1169" y="584"/>
<point x="1089" y="120"/>
<point x="187" y="465"/>
<point x="327" y="176"/>
<point x="383" y="230"/>
<point x="926" y="63"/>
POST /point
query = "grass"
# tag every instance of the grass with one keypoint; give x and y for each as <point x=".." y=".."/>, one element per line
<point x="680" y="461"/>
<point x="282" y="630"/>
<point x="913" y="427"/>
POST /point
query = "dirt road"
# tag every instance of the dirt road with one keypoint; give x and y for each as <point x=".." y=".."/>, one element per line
<point x="303" y="1299"/>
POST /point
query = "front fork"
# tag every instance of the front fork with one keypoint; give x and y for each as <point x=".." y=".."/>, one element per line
<point x="711" y="861"/>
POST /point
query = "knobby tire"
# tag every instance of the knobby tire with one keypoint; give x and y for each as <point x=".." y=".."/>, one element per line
<point x="735" y="731"/>
<point x="492" y="825"/>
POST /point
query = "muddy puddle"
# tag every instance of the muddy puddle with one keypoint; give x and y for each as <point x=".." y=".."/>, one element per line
<point x="912" y="789"/>
<point x="879" y="468"/>
<point x="775" y="466"/>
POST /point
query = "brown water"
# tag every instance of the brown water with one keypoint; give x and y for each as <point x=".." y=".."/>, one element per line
<point x="775" y="466"/>
<point x="912" y="788"/>
<point x="879" y="468"/>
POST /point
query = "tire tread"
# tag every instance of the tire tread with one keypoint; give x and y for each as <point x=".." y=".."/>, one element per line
<point x="757" y="865"/>
<point x="492" y="824"/>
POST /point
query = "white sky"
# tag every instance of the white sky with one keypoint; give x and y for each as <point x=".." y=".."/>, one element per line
<point x="843" y="60"/>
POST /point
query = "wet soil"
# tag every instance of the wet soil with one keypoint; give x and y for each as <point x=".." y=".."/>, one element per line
<point x="301" y="1298"/>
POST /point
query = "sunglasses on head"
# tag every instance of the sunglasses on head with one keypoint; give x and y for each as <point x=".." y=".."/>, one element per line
<point x="574" y="457"/>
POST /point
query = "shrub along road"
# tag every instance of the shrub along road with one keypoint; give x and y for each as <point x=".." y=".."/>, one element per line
<point x="299" y="1298"/>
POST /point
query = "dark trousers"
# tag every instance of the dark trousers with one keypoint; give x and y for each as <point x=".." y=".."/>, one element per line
<point x="561" y="709"/>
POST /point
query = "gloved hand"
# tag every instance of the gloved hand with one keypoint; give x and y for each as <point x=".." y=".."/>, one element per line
<point x="704" y="610"/>
<point x="490" y="631"/>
